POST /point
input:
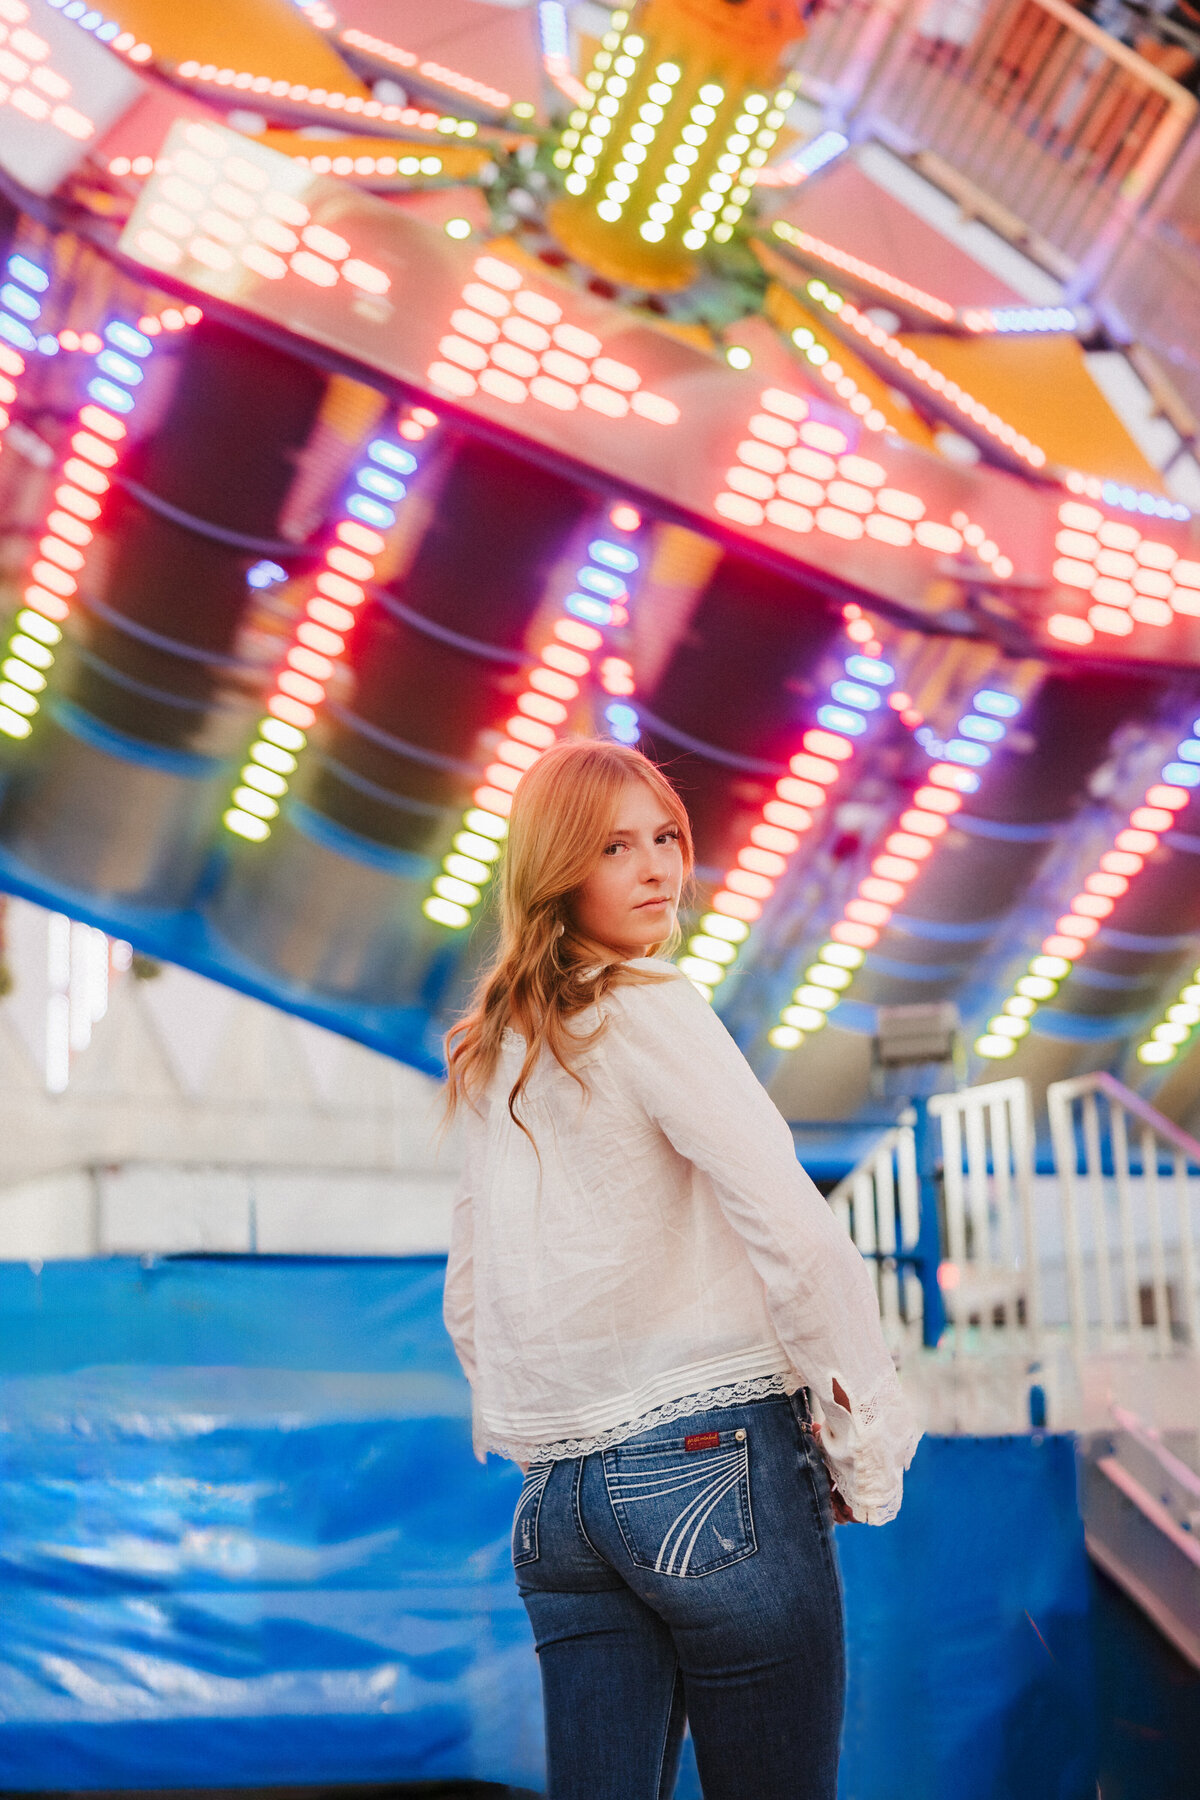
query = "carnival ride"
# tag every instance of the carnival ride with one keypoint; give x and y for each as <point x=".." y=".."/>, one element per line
<point x="371" y="423"/>
<point x="384" y="395"/>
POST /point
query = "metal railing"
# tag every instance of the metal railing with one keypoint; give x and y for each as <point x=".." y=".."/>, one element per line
<point x="1100" y="1256"/>
<point x="1128" y="1206"/>
<point x="990" y="1280"/>
<point x="1149" y="294"/>
<point x="879" y="1203"/>
<point x="1025" y="110"/>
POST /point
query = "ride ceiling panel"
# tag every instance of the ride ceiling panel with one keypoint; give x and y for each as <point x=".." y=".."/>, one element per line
<point x="493" y="45"/>
<point x="846" y="208"/>
<point x="672" y="425"/>
<point x="436" y="205"/>
<point x="263" y="37"/>
<point x="39" y="146"/>
<point x="741" y="677"/>
<point x="952" y="910"/>
<point x="1042" y="385"/>
<point x="484" y="583"/>
<point x="141" y="130"/>
<point x="333" y="901"/>
<point x="119" y="790"/>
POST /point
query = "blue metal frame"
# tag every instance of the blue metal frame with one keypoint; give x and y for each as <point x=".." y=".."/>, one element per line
<point x="185" y="937"/>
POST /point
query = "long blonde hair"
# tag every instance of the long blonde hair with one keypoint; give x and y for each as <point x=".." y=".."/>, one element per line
<point x="544" y="970"/>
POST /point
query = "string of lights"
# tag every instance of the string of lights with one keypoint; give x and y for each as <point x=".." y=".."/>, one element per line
<point x="681" y="169"/>
<point x="1128" y="578"/>
<point x="514" y="344"/>
<point x="820" y="357"/>
<point x="1006" y="320"/>
<point x="798" y="472"/>
<point x="978" y="320"/>
<point x="918" y="369"/>
<point x="854" y="265"/>
<point x="373" y="165"/>
<point x="84" y="479"/>
<point x="1175" y="1031"/>
<point x="105" y="30"/>
<point x="800" y="797"/>
<point x="1127" y="499"/>
<point x="818" y="153"/>
<point x="739" y="165"/>
<point x="599" y="601"/>
<point x="915" y="367"/>
<point x="400" y="58"/>
<point x="720" y="145"/>
<point x="20" y="314"/>
<point x="1102" y="887"/>
<point x="556" y="51"/>
<point x="906" y="849"/>
<point x="172" y="318"/>
<point x="606" y="86"/>
<point x="319" y="644"/>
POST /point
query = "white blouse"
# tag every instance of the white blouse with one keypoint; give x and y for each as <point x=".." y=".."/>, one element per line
<point x="669" y="1256"/>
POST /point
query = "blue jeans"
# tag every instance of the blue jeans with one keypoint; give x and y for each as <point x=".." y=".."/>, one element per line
<point x="688" y="1573"/>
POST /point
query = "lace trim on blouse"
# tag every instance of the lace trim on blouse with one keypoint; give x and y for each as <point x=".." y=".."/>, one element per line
<point x="756" y="1387"/>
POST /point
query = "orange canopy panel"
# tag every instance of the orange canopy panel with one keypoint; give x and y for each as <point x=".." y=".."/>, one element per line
<point x="254" y="37"/>
<point x="1042" y="386"/>
<point x="487" y="53"/>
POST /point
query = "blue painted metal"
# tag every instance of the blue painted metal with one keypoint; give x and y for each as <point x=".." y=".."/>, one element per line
<point x="1088" y="1028"/>
<point x="941" y="931"/>
<point x="187" y="938"/>
<point x="929" y="1236"/>
<point x="1004" y="831"/>
<point x="246" y="1545"/>
<point x="98" y="736"/>
<point x="343" y="842"/>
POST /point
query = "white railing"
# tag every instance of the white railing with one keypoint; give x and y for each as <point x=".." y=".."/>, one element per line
<point x="1128" y="1218"/>
<point x="1100" y="1256"/>
<point x="879" y="1203"/>
<point x="1141" y="1509"/>
<point x="1025" y="110"/>
<point x="1149" y="294"/>
<point x="990" y="1281"/>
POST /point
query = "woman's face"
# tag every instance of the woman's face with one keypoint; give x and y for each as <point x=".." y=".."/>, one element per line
<point x="628" y="902"/>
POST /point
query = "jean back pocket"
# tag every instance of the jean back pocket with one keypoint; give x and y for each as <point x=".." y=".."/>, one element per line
<point x="683" y="1504"/>
<point x="525" y="1518"/>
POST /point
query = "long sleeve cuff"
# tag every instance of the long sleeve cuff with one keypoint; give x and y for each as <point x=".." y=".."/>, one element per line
<point x="869" y="1448"/>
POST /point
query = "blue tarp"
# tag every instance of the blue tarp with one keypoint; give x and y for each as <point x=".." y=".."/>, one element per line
<point x="243" y="1541"/>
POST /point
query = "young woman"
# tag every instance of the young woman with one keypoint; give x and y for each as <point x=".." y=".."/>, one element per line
<point x="644" y="1290"/>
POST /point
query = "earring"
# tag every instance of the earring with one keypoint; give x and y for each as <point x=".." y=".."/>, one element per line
<point x="560" y="929"/>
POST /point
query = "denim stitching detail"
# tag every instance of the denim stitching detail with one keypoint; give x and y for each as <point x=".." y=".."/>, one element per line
<point x="577" y="1507"/>
<point x="746" y="1497"/>
<point x="824" y="1523"/>
<point x="714" y="1477"/>
<point x="527" y="1513"/>
<point x="666" y="1736"/>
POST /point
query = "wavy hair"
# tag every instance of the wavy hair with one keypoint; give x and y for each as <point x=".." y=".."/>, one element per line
<point x="545" y="971"/>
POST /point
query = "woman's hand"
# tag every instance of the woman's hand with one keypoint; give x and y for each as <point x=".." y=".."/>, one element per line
<point x="842" y="1514"/>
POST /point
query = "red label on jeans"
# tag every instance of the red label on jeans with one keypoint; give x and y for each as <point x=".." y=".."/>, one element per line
<point x="703" y="1440"/>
